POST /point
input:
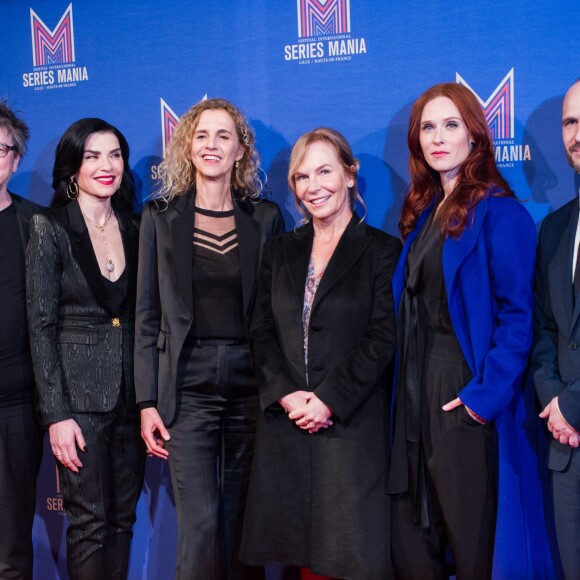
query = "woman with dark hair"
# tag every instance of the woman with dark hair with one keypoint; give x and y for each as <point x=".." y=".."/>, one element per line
<point x="322" y="338"/>
<point x="200" y="250"/>
<point x="463" y="475"/>
<point x="81" y="281"/>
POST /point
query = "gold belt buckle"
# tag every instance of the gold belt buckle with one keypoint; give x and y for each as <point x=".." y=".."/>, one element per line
<point x="116" y="322"/>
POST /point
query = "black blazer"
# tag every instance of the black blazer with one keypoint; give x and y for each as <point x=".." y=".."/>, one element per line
<point x="556" y="351"/>
<point x="24" y="209"/>
<point x="164" y="313"/>
<point x="81" y="351"/>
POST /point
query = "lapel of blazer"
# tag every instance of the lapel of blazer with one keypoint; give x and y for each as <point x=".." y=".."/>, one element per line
<point x="22" y="218"/>
<point x="351" y="245"/>
<point x="248" y="231"/>
<point x="130" y="236"/>
<point x="297" y="248"/>
<point x="455" y="251"/>
<point x="560" y="271"/>
<point x="84" y="254"/>
<point x="181" y="218"/>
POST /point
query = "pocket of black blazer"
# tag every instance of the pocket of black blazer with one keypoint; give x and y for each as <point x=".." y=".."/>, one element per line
<point x="86" y="336"/>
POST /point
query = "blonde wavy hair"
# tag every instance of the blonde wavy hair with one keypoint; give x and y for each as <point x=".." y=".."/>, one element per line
<point x="344" y="153"/>
<point x="177" y="171"/>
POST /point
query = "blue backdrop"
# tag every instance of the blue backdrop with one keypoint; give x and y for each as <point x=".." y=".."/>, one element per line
<point x="290" y="65"/>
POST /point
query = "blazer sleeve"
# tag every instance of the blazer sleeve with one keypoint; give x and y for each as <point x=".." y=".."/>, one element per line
<point x="347" y="385"/>
<point x="272" y="371"/>
<point x="545" y="364"/>
<point x="147" y="311"/>
<point x="43" y="273"/>
<point x="510" y="239"/>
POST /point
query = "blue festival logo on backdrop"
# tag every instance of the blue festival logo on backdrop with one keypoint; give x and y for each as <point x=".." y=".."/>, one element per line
<point x="324" y="33"/>
<point x="499" y="110"/>
<point x="169" y="121"/>
<point x="54" y="502"/>
<point x="53" y="54"/>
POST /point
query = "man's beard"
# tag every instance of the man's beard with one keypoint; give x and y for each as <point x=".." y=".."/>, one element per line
<point x="575" y="166"/>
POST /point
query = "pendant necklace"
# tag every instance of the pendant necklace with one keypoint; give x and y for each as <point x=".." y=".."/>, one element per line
<point x="110" y="266"/>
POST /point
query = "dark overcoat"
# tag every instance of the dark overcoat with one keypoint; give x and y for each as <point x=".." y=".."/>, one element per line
<point x="320" y="500"/>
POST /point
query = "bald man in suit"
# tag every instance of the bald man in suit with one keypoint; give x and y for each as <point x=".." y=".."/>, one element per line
<point x="556" y="353"/>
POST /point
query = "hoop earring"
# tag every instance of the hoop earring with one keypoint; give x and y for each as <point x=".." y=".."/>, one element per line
<point x="72" y="192"/>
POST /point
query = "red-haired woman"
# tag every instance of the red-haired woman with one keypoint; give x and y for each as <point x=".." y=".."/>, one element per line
<point x="463" y="292"/>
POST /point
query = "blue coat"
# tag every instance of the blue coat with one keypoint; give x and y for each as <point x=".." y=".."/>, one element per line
<point x="489" y="274"/>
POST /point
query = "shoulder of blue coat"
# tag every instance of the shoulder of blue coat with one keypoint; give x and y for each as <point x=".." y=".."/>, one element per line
<point x="509" y="208"/>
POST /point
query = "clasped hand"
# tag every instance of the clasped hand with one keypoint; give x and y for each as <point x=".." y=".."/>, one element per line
<point x="307" y="411"/>
<point x="561" y="430"/>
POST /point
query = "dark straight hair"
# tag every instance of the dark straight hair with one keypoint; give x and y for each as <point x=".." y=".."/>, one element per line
<point x="69" y="158"/>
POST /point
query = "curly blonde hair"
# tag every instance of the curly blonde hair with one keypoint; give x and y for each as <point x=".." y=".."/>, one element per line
<point x="177" y="171"/>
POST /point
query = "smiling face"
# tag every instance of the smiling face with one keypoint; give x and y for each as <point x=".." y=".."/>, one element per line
<point x="571" y="126"/>
<point x="215" y="146"/>
<point x="444" y="139"/>
<point x="101" y="171"/>
<point x="321" y="183"/>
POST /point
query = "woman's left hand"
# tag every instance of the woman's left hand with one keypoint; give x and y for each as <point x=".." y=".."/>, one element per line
<point x="312" y="416"/>
<point x="458" y="403"/>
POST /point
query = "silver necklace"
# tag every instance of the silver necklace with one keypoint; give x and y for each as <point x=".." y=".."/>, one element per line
<point x="110" y="266"/>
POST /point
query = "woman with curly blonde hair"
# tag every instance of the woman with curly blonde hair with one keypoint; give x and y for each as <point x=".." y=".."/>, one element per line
<point x="198" y="261"/>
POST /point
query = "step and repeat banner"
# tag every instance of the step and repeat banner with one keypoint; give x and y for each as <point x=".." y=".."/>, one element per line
<point x="290" y="65"/>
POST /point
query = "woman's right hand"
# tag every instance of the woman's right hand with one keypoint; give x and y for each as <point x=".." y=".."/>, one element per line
<point x="295" y="400"/>
<point x="65" y="437"/>
<point x="154" y="433"/>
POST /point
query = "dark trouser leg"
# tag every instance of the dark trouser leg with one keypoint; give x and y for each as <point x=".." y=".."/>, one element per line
<point x="100" y="500"/>
<point x="127" y="470"/>
<point x="461" y="456"/>
<point x="20" y="454"/>
<point x="418" y="553"/>
<point x="566" y="494"/>
<point x="210" y="455"/>
<point x="239" y="430"/>
<point x="460" y="460"/>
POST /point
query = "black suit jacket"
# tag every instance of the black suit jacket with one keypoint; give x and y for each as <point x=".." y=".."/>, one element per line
<point x="24" y="209"/>
<point x="81" y="350"/>
<point x="164" y="313"/>
<point x="556" y="352"/>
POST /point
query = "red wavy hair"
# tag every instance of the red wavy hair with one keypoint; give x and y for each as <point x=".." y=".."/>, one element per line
<point x="476" y="177"/>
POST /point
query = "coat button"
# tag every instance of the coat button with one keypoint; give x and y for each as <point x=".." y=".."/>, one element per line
<point x="116" y="322"/>
<point x="316" y="367"/>
<point x="572" y="346"/>
<point x="316" y="328"/>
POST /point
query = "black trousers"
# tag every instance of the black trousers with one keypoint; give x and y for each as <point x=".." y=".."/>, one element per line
<point x="210" y="455"/>
<point x="566" y="495"/>
<point x="459" y="457"/>
<point x="100" y="500"/>
<point x="20" y="455"/>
